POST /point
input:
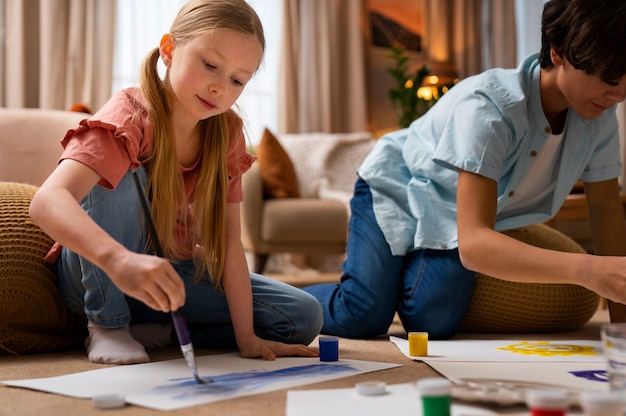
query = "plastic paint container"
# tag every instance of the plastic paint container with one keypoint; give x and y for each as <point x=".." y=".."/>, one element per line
<point x="329" y="348"/>
<point x="418" y="344"/>
<point x="436" y="396"/>
<point x="546" y="402"/>
<point x="600" y="403"/>
<point x="108" y="401"/>
<point x="371" y="388"/>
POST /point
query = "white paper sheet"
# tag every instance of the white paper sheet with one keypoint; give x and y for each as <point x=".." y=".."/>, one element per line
<point x="401" y="399"/>
<point x="571" y="376"/>
<point x="508" y="350"/>
<point x="169" y="385"/>
<point x="571" y="365"/>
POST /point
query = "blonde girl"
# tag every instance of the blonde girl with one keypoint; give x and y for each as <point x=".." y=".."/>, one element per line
<point x="180" y="135"/>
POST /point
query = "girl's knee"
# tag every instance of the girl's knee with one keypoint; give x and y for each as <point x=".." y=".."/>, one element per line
<point x="313" y="318"/>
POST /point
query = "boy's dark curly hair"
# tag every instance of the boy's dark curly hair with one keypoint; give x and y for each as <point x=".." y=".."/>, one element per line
<point x="590" y="34"/>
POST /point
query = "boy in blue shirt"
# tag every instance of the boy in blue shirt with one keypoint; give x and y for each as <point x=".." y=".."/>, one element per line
<point x="500" y="150"/>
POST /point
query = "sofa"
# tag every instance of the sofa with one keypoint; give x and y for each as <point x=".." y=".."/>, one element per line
<point x="297" y="194"/>
<point x="289" y="225"/>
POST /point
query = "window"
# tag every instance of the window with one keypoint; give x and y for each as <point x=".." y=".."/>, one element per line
<point x="133" y="40"/>
<point x="528" y="25"/>
<point x="259" y="101"/>
<point x="258" y="104"/>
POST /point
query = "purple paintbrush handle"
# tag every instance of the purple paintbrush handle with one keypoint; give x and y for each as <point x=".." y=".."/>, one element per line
<point x="181" y="327"/>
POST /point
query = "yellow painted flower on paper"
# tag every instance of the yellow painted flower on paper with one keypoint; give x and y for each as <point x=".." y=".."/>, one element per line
<point x="548" y="349"/>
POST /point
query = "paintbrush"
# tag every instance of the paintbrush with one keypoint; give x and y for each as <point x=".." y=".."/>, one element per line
<point x="180" y="324"/>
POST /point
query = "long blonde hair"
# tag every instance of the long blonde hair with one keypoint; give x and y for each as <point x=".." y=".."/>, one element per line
<point x="165" y="181"/>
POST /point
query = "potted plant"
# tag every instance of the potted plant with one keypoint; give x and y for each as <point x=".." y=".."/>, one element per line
<point x="410" y="97"/>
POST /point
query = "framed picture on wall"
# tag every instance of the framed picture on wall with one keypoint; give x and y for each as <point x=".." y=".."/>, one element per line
<point x="396" y="23"/>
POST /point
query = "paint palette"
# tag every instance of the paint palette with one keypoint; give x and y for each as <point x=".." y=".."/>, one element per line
<point x="502" y="392"/>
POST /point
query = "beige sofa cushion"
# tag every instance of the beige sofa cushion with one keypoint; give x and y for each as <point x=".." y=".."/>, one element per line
<point x="304" y="220"/>
<point x="30" y="142"/>
<point x="326" y="163"/>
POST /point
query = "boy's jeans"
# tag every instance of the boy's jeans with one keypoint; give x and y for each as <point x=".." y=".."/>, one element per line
<point x="430" y="289"/>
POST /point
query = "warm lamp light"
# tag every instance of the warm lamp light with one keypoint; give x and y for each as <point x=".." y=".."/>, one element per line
<point x="432" y="80"/>
<point x="429" y="89"/>
<point x="428" y="93"/>
<point x="425" y="93"/>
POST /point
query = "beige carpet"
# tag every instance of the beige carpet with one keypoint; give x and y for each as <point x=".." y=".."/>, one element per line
<point x="18" y="401"/>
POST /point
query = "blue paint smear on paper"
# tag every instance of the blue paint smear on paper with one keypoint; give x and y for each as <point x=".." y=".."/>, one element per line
<point x="592" y="375"/>
<point x="228" y="384"/>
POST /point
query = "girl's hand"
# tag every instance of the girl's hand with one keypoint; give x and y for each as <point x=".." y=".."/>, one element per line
<point x="256" y="347"/>
<point x="55" y="209"/>
<point x="150" y="279"/>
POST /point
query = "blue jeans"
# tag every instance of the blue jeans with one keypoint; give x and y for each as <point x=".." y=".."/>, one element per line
<point x="281" y="312"/>
<point x="429" y="289"/>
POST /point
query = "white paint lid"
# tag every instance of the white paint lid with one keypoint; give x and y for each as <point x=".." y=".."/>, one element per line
<point x="434" y="386"/>
<point x="371" y="388"/>
<point x="108" y="401"/>
<point x="547" y="399"/>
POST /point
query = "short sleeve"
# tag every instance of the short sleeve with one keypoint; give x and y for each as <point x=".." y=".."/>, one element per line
<point x="113" y="140"/>
<point x="476" y="138"/>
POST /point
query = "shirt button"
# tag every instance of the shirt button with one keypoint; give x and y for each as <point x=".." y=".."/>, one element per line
<point x="533" y="153"/>
<point x="548" y="130"/>
<point x="444" y="245"/>
<point x="511" y="194"/>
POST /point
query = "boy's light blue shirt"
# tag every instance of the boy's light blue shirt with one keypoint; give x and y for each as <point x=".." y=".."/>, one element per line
<point x="491" y="124"/>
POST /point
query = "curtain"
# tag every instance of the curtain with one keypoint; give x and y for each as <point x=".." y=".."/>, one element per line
<point x="501" y="43"/>
<point x="57" y="53"/>
<point x="467" y="36"/>
<point x="483" y="34"/>
<point x="323" y="80"/>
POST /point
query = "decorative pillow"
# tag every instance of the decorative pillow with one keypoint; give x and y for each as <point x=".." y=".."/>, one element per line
<point x="312" y="155"/>
<point x="33" y="317"/>
<point x="499" y="306"/>
<point x="277" y="170"/>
